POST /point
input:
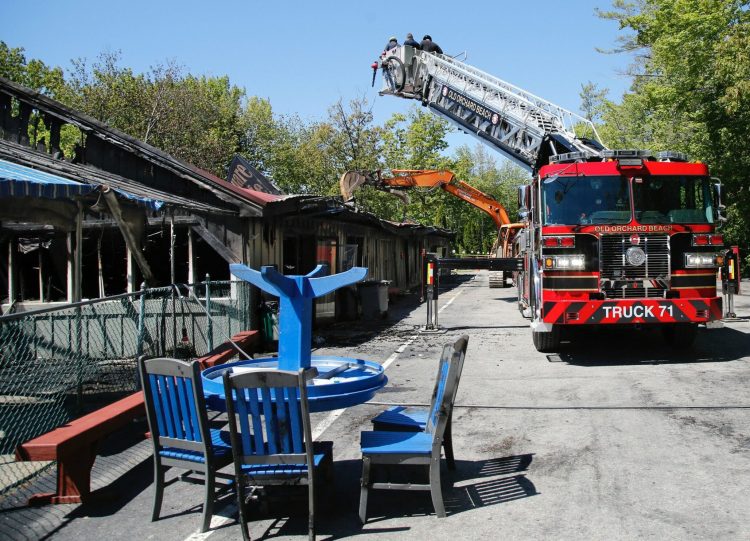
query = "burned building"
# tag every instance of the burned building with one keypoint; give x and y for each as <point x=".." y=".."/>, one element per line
<point x="120" y="212"/>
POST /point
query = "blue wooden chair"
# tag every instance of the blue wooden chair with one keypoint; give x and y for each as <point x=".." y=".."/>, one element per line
<point x="269" y="425"/>
<point x="414" y="419"/>
<point x="406" y="448"/>
<point x="180" y="432"/>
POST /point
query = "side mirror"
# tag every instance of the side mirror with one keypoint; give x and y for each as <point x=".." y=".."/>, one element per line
<point x="720" y="208"/>
<point x="524" y="199"/>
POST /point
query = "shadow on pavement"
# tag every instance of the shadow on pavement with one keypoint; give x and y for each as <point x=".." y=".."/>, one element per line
<point x="351" y="334"/>
<point x="472" y="485"/>
<point x="611" y="346"/>
<point x="486" y="493"/>
<point x="121" y="472"/>
<point x="470" y="327"/>
<point x="472" y="469"/>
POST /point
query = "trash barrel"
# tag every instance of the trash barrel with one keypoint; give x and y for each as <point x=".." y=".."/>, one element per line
<point x="373" y="295"/>
<point x="270" y="321"/>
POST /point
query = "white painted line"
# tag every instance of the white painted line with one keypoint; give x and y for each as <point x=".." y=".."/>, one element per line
<point x="398" y="351"/>
<point x="325" y="423"/>
<point x="217" y="521"/>
<point x="447" y="304"/>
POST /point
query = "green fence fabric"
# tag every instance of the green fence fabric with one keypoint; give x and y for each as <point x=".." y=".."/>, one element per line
<point x="57" y="364"/>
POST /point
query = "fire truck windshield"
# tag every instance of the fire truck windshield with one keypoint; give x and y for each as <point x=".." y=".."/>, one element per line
<point x="673" y="199"/>
<point x="586" y="200"/>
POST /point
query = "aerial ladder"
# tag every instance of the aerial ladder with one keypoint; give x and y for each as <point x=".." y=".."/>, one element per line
<point x="406" y="179"/>
<point x="523" y="127"/>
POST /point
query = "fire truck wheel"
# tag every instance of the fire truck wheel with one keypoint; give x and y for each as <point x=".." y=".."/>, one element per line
<point x="547" y="342"/>
<point x="680" y="336"/>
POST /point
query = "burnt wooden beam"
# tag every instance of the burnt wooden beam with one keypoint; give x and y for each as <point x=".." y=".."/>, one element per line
<point x="22" y="132"/>
<point x="127" y="232"/>
<point x="5" y="114"/>
<point x="219" y="247"/>
<point x="54" y="135"/>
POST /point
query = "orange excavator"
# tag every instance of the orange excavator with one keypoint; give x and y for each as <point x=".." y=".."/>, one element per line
<point x="406" y="179"/>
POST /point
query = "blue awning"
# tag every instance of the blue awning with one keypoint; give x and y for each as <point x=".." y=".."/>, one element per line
<point x="19" y="181"/>
<point x="153" y="204"/>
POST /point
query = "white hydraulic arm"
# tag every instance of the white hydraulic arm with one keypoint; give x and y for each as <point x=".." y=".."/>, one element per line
<point x="524" y="127"/>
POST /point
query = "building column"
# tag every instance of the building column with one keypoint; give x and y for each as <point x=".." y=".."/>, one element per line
<point x="191" y="258"/>
<point x="12" y="249"/>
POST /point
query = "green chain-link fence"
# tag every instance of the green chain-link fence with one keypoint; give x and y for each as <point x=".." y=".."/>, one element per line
<point x="57" y="364"/>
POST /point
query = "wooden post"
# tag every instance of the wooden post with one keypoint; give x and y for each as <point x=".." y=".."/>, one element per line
<point x="71" y="266"/>
<point x="40" y="274"/>
<point x="191" y="257"/>
<point x="78" y="255"/>
<point x="131" y="288"/>
<point x="172" y="281"/>
<point x="99" y="266"/>
<point x="12" y="294"/>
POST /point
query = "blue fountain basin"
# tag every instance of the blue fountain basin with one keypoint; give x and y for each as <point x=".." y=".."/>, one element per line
<point x="342" y="382"/>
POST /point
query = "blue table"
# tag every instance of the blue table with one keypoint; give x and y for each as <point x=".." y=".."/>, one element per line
<point x="342" y="382"/>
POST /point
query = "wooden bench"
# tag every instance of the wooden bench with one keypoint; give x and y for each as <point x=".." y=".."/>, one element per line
<point x="248" y="341"/>
<point x="74" y="444"/>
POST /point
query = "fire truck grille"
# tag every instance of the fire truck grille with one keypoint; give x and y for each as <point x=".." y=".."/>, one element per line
<point x="621" y="279"/>
<point x="634" y="293"/>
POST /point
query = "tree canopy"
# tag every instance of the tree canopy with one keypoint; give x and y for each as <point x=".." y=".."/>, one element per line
<point x="690" y="89"/>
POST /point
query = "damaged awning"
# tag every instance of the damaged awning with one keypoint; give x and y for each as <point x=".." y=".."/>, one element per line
<point x="21" y="181"/>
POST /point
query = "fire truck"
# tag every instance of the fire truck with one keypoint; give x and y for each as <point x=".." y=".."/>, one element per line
<point x="610" y="237"/>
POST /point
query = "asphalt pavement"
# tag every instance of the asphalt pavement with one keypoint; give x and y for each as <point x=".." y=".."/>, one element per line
<point x="617" y="436"/>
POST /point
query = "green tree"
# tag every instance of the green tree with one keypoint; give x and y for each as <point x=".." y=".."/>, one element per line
<point x="416" y="140"/>
<point x="34" y="74"/>
<point x="197" y="119"/>
<point x="479" y="167"/>
<point x="691" y="88"/>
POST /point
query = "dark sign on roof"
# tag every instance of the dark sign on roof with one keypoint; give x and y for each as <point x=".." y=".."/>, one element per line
<point x="244" y="175"/>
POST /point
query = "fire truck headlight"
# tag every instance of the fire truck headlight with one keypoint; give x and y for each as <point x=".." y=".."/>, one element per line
<point x="569" y="262"/>
<point x="699" y="261"/>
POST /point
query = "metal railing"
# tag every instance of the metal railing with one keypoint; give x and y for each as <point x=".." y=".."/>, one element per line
<point x="59" y="363"/>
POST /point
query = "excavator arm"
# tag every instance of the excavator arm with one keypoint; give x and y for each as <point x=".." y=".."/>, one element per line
<point x="405" y="179"/>
<point x="480" y="200"/>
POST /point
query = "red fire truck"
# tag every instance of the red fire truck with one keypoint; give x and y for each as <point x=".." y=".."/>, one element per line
<point x="611" y="237"/>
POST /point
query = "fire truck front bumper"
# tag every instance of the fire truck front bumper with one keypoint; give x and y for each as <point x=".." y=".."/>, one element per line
<point x="632" y="311"/>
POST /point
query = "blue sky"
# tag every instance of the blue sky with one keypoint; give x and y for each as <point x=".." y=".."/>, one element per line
<point x="304" y="56"/>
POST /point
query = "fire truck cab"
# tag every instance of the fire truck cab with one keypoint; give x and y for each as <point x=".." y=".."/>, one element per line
<point x="627" y="239"/>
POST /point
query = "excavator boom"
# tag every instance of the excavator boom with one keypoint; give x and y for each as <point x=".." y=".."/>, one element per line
<point x="419" y="178"/>
<point x="480" y="200"/>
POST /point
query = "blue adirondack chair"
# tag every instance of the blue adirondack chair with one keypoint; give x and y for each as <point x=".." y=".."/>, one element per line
<point x="180" y="431"/>
<point x="269" y="425"/>
<point x="414" y="419"/>
<point x="415" y="448"/>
